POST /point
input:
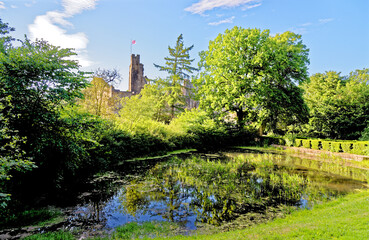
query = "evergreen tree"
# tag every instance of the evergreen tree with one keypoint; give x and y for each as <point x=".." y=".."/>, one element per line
<point x="178" y="66"/>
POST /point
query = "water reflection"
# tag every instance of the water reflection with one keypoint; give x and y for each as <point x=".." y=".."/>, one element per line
<point x="216" y="190"/>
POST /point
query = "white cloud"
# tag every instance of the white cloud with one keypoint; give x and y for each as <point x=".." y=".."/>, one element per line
<point x="2" y="5"/>
<point x="227" y="20"/>
<point x="325" y="20"/>
<point x="247" y="7"/>
<point x="306" y="24"/>
<point x="43" y="27"/>
<point x="30" y="3"/>
<point x="73" y="7"/>
<point x="206" y="5"/>
<point x="13" y="6"/>
<point x="299" y="30"/>
<point x="52" y="28"/>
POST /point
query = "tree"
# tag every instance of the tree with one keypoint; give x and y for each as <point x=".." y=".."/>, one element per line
<point x="339" y="106"/>
<point x="36" y="81"/>
<point x="5" y="39"/>
<point x="98" y="98"/>
<point x="253" y="75"/>
<point x="111" y="77"/>
<point x="178" y="66"/>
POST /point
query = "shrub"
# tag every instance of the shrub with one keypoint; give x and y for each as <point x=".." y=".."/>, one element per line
<point x="346" y="146"/>
<point x="298" y="142"/>
<point x="306" y="143"/>
<point x="326" y="145"/>
<point x="289" y="139"/>
<point x="315" y="144"/>
<point x="359" y="148"/>
<point x="335" y="146"/>
<point x="266" y="141"/>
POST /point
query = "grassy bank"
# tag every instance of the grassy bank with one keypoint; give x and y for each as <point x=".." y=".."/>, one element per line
<point x="344" y="218"/>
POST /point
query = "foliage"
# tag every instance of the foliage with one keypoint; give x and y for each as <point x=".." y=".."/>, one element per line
<point x="36" y="80"/>
<point x="338" y="105"/>
<point x="306" y="143"/>
<point x="5" y="39"/>
<point x="176" y="86"/>
<point x="250" y="76"/>
<point x="179" y="62"/>
<point x="141" y="108"/>
<point x="97" y="99"/>
<point x="347" y="146"/>
<point x="365" y="134"/>
<point x="290" y="139"/>
<point x="326" y="145"/>
<point x="111" y="77"/>
<point x="298" y="142"/>
<point x="315" y="144"/>
<point x="30" y="217"/>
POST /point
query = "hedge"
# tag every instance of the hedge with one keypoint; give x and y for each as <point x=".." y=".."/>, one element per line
<point x="306" y="143"/>
<point x="335" y="146"/>
<point x="326" y="145"/>
<point x="347" y="146"/>
<point x="298" y="142"/>
<point x="315" y="144"/>
<point x="360" y="148"/>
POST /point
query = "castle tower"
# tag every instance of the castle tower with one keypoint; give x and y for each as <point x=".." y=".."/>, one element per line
<point x="136" y="76"/>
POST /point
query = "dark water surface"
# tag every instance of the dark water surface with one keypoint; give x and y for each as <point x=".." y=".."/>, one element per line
<point x="205" y="191"/>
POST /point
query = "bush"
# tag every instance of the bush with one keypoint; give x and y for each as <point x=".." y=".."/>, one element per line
<point x="306" y="143"/>
<point x="289" y="139"/>
<point x="326" y="145"/>
<point x="346" y="146"/>
<point x="359" y="148"/>
<point x="298" y="142"/>
<point x="335" y="146"/>
<point x="315" y="144"/>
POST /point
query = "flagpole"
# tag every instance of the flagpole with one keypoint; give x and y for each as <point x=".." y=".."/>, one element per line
<point x="131" y="47"/>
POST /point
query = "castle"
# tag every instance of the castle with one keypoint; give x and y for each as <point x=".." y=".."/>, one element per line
<point x="137" y="81"/>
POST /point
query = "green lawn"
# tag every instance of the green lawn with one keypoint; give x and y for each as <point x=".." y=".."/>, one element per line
<point x="344" y="218"/>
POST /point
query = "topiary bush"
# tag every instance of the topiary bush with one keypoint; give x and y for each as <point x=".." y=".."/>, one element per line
<point x="359" y="148"/>
<point x="315" y="144"/>
<point x="326" y="145"/>
<point x="306" y="143"/>
<point x="298" y="142"/>
<point x="346" y="147"/>
<point x="335" y="146"/>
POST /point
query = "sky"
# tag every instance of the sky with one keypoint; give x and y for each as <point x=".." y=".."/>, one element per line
<point x="101" y="31"/>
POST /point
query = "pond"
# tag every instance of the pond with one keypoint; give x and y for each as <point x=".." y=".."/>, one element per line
<point x="217" y="189"/>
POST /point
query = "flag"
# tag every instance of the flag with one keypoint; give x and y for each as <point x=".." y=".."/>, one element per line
<point x="133" y="41"/>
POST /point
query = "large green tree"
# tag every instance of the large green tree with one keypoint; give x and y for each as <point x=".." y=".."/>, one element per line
<point x="252" y="75"/>
<point x="339" y="105"/>
<point x="178" y="66"/>
<point x="36" y="81"/>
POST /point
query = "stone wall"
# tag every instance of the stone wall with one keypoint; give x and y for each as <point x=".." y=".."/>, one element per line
<point x="136" y="75"/>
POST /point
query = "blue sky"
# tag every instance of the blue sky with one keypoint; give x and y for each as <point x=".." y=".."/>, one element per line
<point x="335" y="31"/>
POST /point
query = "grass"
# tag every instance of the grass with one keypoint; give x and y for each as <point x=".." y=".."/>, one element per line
<point x="344" y="218"/>
<point x="144" y="230"/>
<point x="168" y="154"/>
<point x="60" y="235"/>
<point x="33" y="217"/>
